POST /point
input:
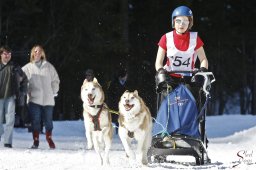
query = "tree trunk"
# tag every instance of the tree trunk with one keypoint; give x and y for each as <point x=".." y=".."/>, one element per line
<point x="254" y="86"/>
<point x="125" y="24"/>
<point x="0" y="22"/>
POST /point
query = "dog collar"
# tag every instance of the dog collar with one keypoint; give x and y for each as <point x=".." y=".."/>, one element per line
<point x="96" y="106"/>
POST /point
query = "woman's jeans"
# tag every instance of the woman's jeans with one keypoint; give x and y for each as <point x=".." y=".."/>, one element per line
<point x="37" y="112"/>
<point x="7" y="111"/>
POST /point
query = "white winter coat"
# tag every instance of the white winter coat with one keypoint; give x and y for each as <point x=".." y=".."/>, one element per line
<point x="43" y="83"/>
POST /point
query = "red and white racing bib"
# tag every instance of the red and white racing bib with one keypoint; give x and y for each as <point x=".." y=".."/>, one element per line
<point x="181" y="60"/>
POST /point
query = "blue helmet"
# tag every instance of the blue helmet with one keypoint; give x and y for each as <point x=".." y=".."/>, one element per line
<point x="182" y="11"/>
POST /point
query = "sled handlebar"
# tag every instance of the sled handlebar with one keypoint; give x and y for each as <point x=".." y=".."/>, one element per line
<point x="208" y="78"/>
<point x="182" y="71"/>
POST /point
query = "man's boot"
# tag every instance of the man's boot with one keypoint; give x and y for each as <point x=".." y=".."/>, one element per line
<point x="49" y="140"/>
<point x="36" y="140"/>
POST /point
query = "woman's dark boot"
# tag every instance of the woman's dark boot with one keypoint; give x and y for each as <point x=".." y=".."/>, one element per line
<point x="49" y="140"/>
<point x="36" y="140"/>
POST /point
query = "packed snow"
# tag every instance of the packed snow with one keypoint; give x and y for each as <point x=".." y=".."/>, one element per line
<point x="232" y="145"/>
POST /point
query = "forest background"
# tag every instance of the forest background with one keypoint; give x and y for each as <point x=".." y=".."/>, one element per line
<point x="104" y="35"/>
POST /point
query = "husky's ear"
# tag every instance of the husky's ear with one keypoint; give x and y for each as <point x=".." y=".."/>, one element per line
<point x="85" y="81"/>
<point x="136" y="92"/>
<point x="95" y="80"/>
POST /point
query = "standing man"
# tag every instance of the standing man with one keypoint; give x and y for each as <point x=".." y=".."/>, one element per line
<point x="13" y="85"/>
<point x="115" y="90"/>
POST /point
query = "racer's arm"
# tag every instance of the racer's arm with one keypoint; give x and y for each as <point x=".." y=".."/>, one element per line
<point x="159" y="58"/>
<point x="202" y="57"/>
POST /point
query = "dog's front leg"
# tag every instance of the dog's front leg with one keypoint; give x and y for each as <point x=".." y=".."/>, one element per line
<point x="108" y="140"/>
<point x="142" y="148"/>
<point x="97" y="147"/>
<point x="146" y="146"/>
<point x="89" y="139"/>
<point x="126" y="141"/>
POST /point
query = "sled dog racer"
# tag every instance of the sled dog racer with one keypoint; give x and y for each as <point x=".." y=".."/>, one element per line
<point x="182" y="48"/>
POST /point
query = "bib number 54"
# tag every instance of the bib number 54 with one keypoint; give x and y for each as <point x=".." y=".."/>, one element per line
<point x="178" y="61"/>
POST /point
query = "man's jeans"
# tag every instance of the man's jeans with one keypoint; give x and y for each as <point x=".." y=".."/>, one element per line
<point x="37" y="112"/>
<point x="7" y="110"/>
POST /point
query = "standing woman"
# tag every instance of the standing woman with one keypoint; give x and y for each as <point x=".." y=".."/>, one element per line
<point x="43" y="86"/>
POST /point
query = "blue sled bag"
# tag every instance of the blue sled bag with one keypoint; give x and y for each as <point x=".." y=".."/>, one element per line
<point x="180" y="116"/>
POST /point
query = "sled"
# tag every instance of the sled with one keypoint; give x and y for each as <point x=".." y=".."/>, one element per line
<point x="181" y="141"/>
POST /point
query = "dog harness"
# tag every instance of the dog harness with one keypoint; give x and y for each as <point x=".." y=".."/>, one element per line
<point x="130" y="133"/>
<point x="96" y="118"/>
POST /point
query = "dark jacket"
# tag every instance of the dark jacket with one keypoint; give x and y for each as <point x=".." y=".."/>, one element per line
<point x="13" y="82"/>
<point x="114" y="92"/>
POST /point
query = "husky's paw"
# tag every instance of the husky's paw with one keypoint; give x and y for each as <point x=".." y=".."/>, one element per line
<point x="144" y="162"/>
<point x="89" y="146"/>
<point x="106" y="161"/>
<point x="135" y="164"/>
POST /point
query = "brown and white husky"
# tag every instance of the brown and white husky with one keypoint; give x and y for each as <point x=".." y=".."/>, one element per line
<point x="97" y="119"/>
<point x="135" y="122"/>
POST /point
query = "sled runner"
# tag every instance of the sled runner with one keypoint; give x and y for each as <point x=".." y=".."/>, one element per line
<point x="179" y="128"/>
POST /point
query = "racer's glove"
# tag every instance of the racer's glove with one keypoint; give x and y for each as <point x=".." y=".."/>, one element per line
<point x="203" y="69"/>
<point x="199" y="79"/>
<point x="160" y="79"/>
<point x="161" y="71"/>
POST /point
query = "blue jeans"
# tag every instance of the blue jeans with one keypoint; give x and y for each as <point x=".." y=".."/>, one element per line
<point x="37" y="112"/>
<point x="7" y="110"/>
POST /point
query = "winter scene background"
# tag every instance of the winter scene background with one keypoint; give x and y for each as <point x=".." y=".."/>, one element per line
<point x="231" y="146"/>
<point x="78" y="35"/>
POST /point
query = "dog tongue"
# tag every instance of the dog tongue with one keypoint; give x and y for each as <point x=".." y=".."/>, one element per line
<point x="128" y="107"/>
<point x="90" y="101"/>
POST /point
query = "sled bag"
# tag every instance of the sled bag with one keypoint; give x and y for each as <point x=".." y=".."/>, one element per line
<point x="181" y="114"/>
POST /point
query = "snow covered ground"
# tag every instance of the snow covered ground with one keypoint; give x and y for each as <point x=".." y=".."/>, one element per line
<point x="232" y="142"/>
